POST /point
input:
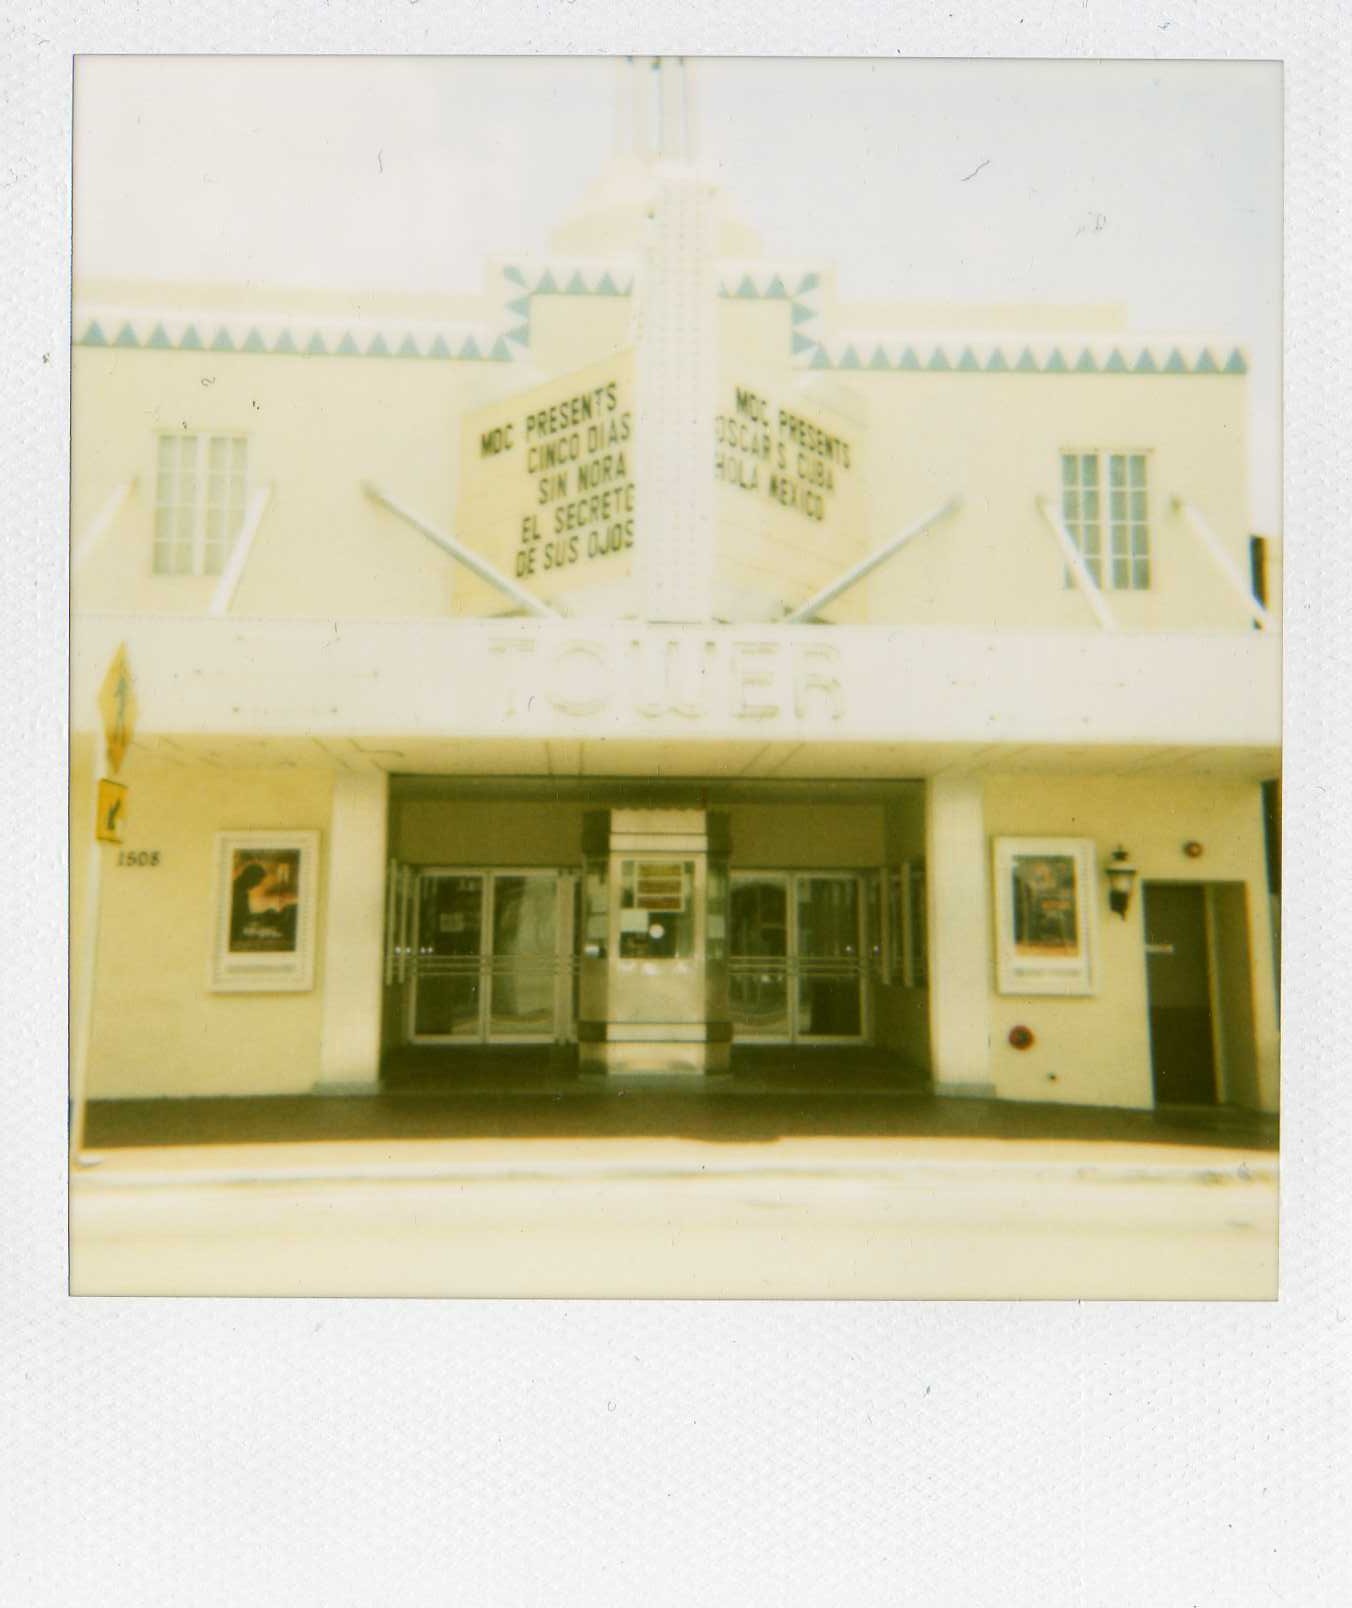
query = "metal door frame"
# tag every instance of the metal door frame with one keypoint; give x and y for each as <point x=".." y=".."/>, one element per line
<point x="792" y="961"/>
<point x="563" y="1026"/>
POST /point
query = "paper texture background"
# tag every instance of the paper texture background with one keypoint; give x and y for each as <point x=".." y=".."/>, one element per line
<point x="239" y="1452"/>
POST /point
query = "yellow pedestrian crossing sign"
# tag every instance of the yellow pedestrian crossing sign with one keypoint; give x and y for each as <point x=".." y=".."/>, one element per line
<point x="112" y="814"/>
<point x="117" y="705"/>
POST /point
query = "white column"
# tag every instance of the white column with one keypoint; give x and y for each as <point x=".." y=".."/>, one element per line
<point x="959" y="936"/>
<point x="677" y="386"/>
<point x="349" y="1052"/>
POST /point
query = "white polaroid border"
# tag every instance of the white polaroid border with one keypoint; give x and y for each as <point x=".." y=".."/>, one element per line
<point x="1049" y="974"/>
<point x="283" y="972"/>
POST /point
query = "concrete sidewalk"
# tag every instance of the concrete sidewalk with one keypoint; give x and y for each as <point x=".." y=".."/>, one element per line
<point x="806" y="1219"/>
<point x="517" y="1160"/>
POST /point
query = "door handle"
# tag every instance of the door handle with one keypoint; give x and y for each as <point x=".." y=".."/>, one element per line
<point x="1159" y="949"/>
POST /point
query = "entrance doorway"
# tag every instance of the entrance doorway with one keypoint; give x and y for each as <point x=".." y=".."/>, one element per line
<point x="492" y="957"/>
<point x="795" y="957"/>
<point x="1180" y="984"/>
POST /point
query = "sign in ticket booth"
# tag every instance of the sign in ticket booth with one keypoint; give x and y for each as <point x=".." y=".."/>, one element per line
<point x="653" y="988"/>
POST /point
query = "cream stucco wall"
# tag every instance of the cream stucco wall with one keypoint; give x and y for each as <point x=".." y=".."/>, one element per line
<point x="1095" y="1050"/>
<point x="158" y="1027"/>
<point x="319" y="427"/>
<point x="316" y="428"/>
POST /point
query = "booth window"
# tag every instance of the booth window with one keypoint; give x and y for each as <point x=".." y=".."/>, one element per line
<point x="657" y="909"/>
<point x="199" y="502"/>
<point x="1104" y="503"/>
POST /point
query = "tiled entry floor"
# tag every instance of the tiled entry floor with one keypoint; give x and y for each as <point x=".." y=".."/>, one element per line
<point x="769" y="1095"/>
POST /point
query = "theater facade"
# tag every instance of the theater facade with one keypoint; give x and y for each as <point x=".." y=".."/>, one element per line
<point x="655" y="660"/>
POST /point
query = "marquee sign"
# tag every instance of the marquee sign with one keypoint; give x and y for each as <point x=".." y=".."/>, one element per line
<point x="549" y="494"/>
<point x="791" y="508"/>
<point x="547" y="480"/>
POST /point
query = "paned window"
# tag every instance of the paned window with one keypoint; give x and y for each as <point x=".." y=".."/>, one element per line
<point x="1104" y="504"/>
<point x="199" y="502"/>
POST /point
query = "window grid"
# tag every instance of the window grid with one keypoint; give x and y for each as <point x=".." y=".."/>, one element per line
<point x="1125" y="564"/>
<point x="199" y="502"/>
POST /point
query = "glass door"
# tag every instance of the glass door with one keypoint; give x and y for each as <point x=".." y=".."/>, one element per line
<point x="524" y="965"/>
<point x="490" y="961"/>
<point x="830" y="958"/>
<point x="795" y="967"/>
<point x="758" y="957"/>
<point x="448" y="990"/>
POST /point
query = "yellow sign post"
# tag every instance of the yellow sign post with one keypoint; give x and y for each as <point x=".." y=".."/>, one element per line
<point x="117" y="710"/>
<point x="117" y="705"/>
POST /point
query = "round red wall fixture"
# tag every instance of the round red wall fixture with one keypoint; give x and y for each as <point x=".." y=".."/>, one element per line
<point x="1021" y="1037"/>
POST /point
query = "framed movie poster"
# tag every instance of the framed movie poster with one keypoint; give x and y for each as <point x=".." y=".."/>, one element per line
<point x="265" y="910"/>
<point x="1044" y="909"/>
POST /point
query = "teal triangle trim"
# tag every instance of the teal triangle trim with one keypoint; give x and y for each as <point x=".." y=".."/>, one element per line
<point x="126" y="336"/>
<point x="408" y="347"/>
<point x="1116" y="363"/>
<point x="996" y="364"/>
<point x="514" y="274"/>
<point x="1235" y="364"/>
<point x="545" y="286"/>
<point x="776" y="288"/>
<point x="285" y="344"/>
<point x="849" y="359"/>
<point x="1027" y="363"/>
<point x="1056" y="364"/>
<point x="253" y="342"/>
<point x="470" y="348"/>
<point x="501" y="352"/>
<point x="802" y="314"/>
<point x="1205" y="364"/>
<point x="809" y="282"/>
<point x="607" y="286"/>
<point x="576" y="286"/>
<point x="94" y="335"/>
<point x="1085" y="363"/>
<point x="820" y="359"/>
<point x="315" y="347"/>
<point x="521" y="334"/>
<point x="909" y="360"/>
<point x="746" y="290"/>
<point x="378" y="348"/>
<point x="439" y="348"/>
<point x="1145" y="363"/>
<point x="222" y="343"/>
<point x="802" y="343"/>
<point x="347" y="347"/>
<point x="190" y="340"/>
<point x="158" y="338"/>
<point x="521" y="306"/>
<point x="938" y="362"/>
<point x="967" y="363"/>
<point x="1175" y="365"/>
<point x="879" y="359"/>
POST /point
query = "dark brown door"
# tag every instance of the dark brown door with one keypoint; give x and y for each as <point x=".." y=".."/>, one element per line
<point x="1182" y="1050"/>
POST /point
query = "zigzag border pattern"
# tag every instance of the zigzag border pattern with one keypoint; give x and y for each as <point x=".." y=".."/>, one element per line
<point x="508" y="341"/>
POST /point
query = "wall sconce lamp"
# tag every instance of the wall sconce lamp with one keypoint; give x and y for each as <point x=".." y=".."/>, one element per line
<point x="1121" y="876"/>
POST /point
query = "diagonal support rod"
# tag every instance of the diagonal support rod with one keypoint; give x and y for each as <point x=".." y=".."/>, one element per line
<point x="1215" y="551"/>
<point x="866" y="566"/>
<point x="1089" y="587"/>
<point x="228" y="585"/>
<point x="464" y="555"/>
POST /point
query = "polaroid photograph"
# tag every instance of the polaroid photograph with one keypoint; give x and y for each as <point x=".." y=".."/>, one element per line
<point x="779" y="640"/>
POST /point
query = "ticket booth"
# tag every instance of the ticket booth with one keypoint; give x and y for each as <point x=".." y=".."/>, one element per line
<point x="653" y="987"/>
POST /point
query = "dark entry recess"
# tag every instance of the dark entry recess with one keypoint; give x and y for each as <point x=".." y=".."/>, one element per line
<point x="1178" y="975"/>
